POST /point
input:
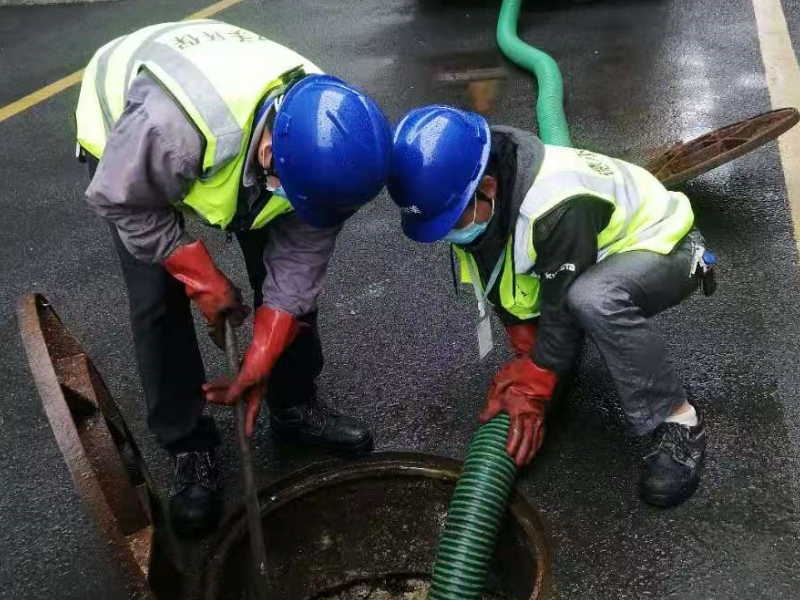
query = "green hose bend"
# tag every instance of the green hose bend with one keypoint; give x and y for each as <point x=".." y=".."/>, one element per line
<point x="479" y="502"/>
<point x="553" y="128"/>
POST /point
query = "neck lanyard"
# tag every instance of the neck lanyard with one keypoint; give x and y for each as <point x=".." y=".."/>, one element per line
<point x="485" y="341"/>
<point x="482" y="295"/>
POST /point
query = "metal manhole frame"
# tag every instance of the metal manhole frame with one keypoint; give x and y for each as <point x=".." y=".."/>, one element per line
<point x="390" y="463"/>
<point x="121" y="514"/>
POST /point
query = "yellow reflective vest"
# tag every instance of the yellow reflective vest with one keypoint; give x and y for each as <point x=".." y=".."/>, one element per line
<point x="218" y="74"/>
<point x="645" y="216"/>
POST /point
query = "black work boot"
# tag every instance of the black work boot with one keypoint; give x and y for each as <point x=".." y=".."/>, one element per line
<point x="672" y="469"/>
<point x="195" y="504"/>
<point x="315" y="424"/>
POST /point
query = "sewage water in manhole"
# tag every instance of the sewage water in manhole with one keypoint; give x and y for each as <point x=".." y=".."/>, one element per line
<point x="368" y="530"/>
<point x="392" y="588"/>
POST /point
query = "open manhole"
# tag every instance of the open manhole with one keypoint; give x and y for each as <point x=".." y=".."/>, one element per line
<point x="364" y="530"/>
<point x="368" y="530"/>
<point x="388" y="588"/>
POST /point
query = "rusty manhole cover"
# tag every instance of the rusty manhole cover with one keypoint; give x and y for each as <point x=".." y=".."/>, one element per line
<point x="686" y="160"/>
<point x="99" y="451"/>
<point x="332" y="529"/>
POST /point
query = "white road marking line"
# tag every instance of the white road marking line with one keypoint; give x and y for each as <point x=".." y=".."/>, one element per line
<point x="783" y="82"/>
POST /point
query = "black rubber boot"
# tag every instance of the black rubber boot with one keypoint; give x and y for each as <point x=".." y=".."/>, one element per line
<point x="195" y="505"/>
<point x="315" y="424"/>
<point x="672" y="469"/>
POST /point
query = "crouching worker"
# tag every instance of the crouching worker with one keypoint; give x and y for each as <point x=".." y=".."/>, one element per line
<point x="562" y="242"/>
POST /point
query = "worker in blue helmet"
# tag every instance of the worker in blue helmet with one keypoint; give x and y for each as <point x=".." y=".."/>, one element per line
<point x="221" y="124"/>
<point x="563" y="243"/>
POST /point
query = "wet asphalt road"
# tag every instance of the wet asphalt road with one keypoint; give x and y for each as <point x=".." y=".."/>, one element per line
<point x="399" y="344"/>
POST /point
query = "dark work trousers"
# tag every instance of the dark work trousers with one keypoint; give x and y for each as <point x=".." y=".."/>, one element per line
<point x="613" y="302"/>
<point x="169" y="360"/>
<point x="293" y="379"/>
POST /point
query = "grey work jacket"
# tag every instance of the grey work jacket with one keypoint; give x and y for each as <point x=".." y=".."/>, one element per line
<point x="152" y="156"/>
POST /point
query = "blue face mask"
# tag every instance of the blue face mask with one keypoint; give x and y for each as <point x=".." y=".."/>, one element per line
<point x="276" y="191"/>
<point x="467" y="235"/>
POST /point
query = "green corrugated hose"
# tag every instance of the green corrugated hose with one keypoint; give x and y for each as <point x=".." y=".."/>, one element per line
<point x="475" y="515"/>
<point x="553" y="127"/>
<point x="479" y="502"/>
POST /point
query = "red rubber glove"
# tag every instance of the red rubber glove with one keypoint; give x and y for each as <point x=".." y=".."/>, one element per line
<point x="522" y="338"/>
<point x="207" y="286"/>
<point x="522" y="389"/>
<point x="273" y="331"/>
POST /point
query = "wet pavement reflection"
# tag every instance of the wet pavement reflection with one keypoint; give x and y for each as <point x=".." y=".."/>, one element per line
<point x="400" y="350"/>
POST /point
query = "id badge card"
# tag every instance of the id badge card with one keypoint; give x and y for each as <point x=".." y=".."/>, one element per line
<point x="485" y="340"/>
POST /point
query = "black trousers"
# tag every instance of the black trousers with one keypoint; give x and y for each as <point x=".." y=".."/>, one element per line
<point x="169" y="360"/>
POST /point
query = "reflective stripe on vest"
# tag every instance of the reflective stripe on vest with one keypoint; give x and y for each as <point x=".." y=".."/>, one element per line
<point x="645" y="216"/>
<point x="218" y="74"/>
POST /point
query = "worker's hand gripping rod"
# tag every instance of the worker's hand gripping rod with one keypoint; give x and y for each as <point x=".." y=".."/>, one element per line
<point x="257" y="547"/>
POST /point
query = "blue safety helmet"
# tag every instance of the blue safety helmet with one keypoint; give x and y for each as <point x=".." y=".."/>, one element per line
<point x="439" y="154"/>
<point x="331" y="145"/>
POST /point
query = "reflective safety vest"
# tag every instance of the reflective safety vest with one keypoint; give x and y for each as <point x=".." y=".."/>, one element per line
<point x="645" y="216"/>
<point x="218" y="74"/>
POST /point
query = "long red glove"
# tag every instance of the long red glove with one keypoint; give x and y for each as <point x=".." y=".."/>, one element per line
<point x="522" y="389"/>
<point x="273" y="331"/>
<point x="522" y="338"/>
<point x="207" y="286"/>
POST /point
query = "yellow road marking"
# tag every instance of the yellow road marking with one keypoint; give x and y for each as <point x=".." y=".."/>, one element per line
<point x="783" y="82"/>
<point x="212" y="10"/>
<point x="48" y="91"/>
<point x="40" y="95"/>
